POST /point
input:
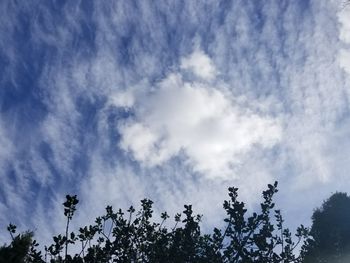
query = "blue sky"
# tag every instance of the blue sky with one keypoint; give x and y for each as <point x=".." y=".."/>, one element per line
<point x="172" y="100"/>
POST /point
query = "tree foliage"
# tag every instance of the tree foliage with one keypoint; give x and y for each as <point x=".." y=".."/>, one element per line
<point x="22" y="248"/>
<point x="331" y="231"/>
<point x="133" y="236"/>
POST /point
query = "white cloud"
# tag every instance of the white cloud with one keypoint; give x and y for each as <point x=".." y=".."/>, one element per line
<point x="121" y="99"/>
<point x="344" y="60"/>
<point x="140" y="141"/>
<point x="344" y="35"/>
<point x="200" y="64"/>
<point x="203" y="122"/>
<point x="344" y="20"/>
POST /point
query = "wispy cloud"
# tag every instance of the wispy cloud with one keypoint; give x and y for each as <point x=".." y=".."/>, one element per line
<point x="170" y="100"/>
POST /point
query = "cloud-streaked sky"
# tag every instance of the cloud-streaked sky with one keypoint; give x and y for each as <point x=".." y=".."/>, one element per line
<point x="172" y="100"/>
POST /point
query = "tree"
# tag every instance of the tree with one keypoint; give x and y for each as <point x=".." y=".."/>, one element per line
<point x="331" y="231"/>
<point x="20" y="248"/>
<point x="134" y="237"/>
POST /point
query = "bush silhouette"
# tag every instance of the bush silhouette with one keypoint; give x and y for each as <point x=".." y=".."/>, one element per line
<point x="331" y="231"/>
<point x="132" y="236"/>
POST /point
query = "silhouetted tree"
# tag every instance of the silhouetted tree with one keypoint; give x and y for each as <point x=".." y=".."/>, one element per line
<point x="135" y="237"/>
<point x="21" y="250"/>
<point x="331" y="231"/>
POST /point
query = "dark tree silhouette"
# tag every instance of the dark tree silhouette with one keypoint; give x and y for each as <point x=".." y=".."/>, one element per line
<point x="134" y="237"/>
<point x="331" y="231"/>
<point x="20" y="248"/>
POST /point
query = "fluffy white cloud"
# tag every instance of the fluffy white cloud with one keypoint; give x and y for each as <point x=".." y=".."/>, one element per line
<point x="200" y="64"/>
<point x="203" y="122"/>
